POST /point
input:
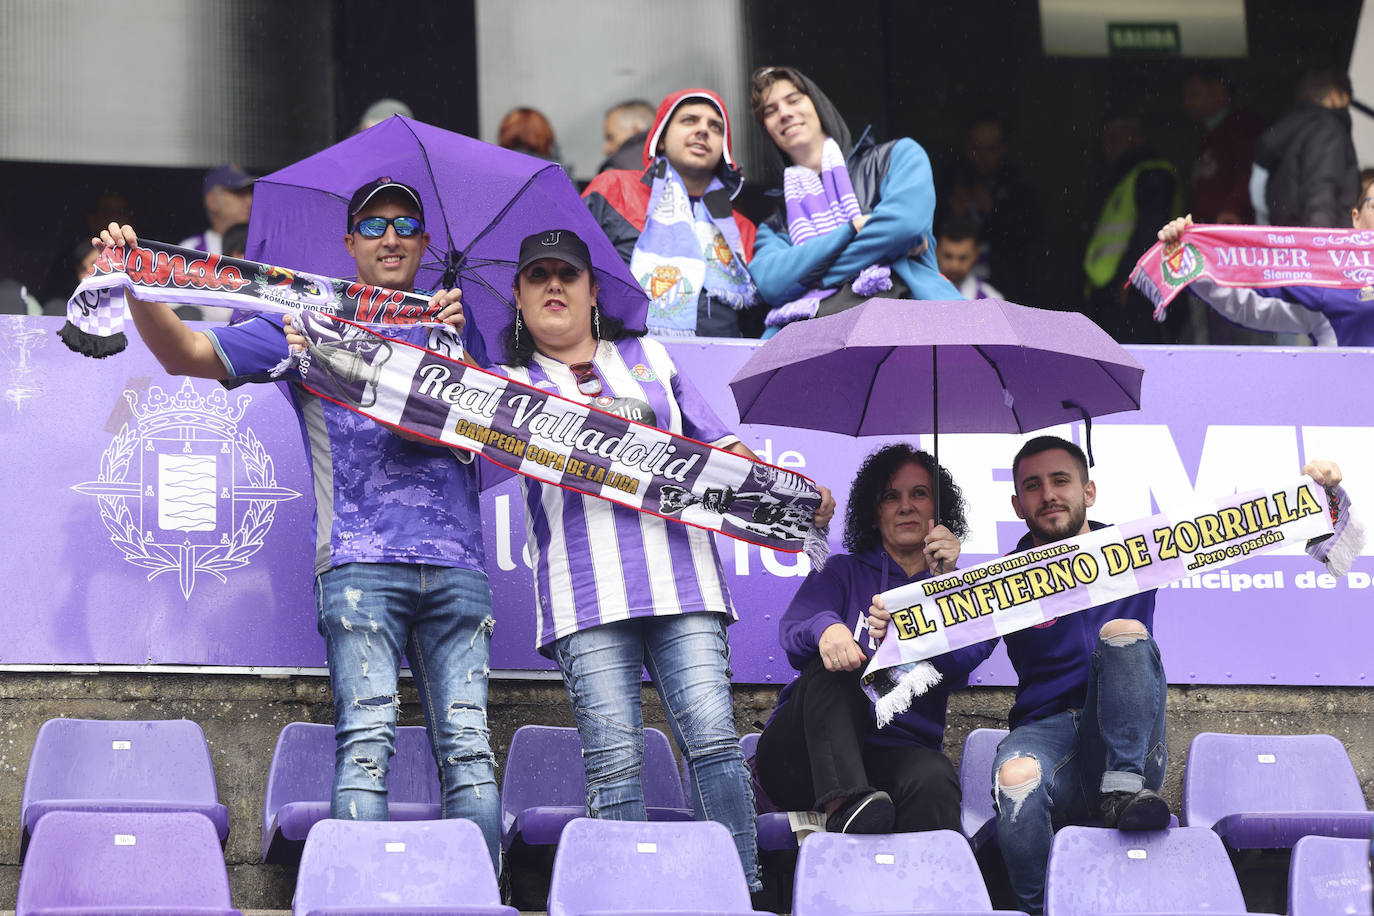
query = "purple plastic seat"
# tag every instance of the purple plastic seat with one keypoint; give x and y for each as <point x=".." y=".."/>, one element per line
<point x="396" y="868"/>
<point x="545" y="784"/>
<point x="1329" y="876"/>
<point x="301" y="780"/>
<point x="125" y="863"/>
<point x="851" y="875"/>
<point x="647" y="867"/>
<point x="1180" y="871"/>
<point x="978" y="816"/>
<point x="1268" y="791"/>
<point x="117" y="765"/>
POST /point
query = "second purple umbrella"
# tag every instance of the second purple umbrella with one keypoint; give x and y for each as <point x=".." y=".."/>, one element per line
<point x="896" y="367"/>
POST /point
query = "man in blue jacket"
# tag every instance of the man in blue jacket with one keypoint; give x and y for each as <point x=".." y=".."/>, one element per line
<point x="1087" y="725"/>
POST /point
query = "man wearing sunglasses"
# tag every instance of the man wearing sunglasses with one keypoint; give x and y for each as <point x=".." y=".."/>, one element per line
<point x="399" y="558"/>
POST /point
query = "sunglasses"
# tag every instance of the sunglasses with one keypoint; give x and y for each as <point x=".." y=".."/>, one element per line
<point x="588" y="382"/>
<point x="374" y="227"/>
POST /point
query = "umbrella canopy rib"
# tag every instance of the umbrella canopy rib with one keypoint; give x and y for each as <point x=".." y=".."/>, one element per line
<point x="496" y="220"/>
<point x="473" y="275"/>
<point x="429" y="170"/>
<point x="868" y="398"/>
<point x="1124" y="390"/>
<point x="1001" y="381"/>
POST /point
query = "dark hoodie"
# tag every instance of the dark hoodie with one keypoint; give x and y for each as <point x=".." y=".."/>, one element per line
<point x="1053" y="660"/>
<point x="619" y="199"/>
<point x="840" y="592"/>
<point x="832" y="122"/>
<point x="1314" y="175"/>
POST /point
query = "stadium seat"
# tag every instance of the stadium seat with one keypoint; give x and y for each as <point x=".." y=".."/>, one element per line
<point x="396" y="868"/>
<point x="301" y="780"/>
<point x="978" y="817"/>
<point x="646" y="868"/>
<point x="1268" y="791"/>
<point x="125" y="862"/>
<point x="1329" y="876"/>
<point x="931" y="872"/>
<point x="118" y="765"/>
<point x="545" y="785"/>
<point x="1180" y="871"/>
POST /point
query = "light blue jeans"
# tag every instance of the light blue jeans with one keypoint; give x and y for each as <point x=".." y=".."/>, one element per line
<point x="440" y="617"/>
<point x="688" y="659"/>
<point x="1115" y="743"/>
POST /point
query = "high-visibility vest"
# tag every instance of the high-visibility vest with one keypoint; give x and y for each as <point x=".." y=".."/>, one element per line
<point x="1117" y="221"/>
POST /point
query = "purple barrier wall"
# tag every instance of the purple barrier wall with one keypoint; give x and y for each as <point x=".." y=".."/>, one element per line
<point x="152" y="520"/>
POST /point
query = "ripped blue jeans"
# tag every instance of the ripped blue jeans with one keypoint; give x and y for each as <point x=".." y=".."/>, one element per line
<point x="1114" y="743"/>
<point x="369" y="613"/>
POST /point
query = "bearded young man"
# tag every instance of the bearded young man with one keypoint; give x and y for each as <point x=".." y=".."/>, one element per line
<point x="1087" y="725"/>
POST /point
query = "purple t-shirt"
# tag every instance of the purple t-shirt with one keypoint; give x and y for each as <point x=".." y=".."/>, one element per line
<point x="378" y="498"/>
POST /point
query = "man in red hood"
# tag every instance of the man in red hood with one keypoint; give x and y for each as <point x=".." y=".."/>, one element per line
<point x="674" y="223"/>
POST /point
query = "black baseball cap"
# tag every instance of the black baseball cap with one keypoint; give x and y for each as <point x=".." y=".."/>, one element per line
<point x="370" y="190"/>
<point x="561" y="244"/>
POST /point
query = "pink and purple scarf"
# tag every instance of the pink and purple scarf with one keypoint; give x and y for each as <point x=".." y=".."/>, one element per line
<point x="1255" y="257"/>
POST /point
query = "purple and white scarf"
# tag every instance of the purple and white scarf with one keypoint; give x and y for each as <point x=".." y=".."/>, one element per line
<point x="818" y="205"/>
<point x="684" y="249"/>
<point x="558" y="441"/>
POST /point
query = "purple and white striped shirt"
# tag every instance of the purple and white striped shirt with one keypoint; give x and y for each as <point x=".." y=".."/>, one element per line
<point x="595" y="561"/>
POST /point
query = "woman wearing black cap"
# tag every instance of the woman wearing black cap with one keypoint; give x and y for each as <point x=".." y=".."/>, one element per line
<point x="855" y="223"/>
<point x="620" y="590"/>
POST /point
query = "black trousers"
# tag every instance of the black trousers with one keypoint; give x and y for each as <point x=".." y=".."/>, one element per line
<point x="813" y="752"/>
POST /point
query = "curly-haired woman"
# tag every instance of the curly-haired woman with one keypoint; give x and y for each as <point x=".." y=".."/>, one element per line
<point x="822" y="749"/>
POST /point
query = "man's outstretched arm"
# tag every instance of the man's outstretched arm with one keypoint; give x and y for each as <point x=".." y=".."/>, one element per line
<point x="180" y="350"/>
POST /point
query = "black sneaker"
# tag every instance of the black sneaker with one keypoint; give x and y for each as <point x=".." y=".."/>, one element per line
<point x="871" y="813"/>
<point x="1143" y="810"/>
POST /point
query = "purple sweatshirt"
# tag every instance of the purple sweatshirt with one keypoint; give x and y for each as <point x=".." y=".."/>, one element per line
<point x="841" y="593"/>
<point x="1053" y="660"/>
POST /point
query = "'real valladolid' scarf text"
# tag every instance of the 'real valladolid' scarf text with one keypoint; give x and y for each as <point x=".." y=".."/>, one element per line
<point x="528" y="430"/>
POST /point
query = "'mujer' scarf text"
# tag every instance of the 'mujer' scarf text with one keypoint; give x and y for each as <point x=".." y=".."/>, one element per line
<point x="1255" y="257"/>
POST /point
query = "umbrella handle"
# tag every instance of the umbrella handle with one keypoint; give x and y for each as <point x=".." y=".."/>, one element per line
<point x="452" y="261"/>
<point x="1087" y="426"/>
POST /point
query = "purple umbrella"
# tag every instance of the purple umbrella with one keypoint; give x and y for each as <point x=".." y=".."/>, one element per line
<point x="480" y="201"/>
<point x="878" y="370"/>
